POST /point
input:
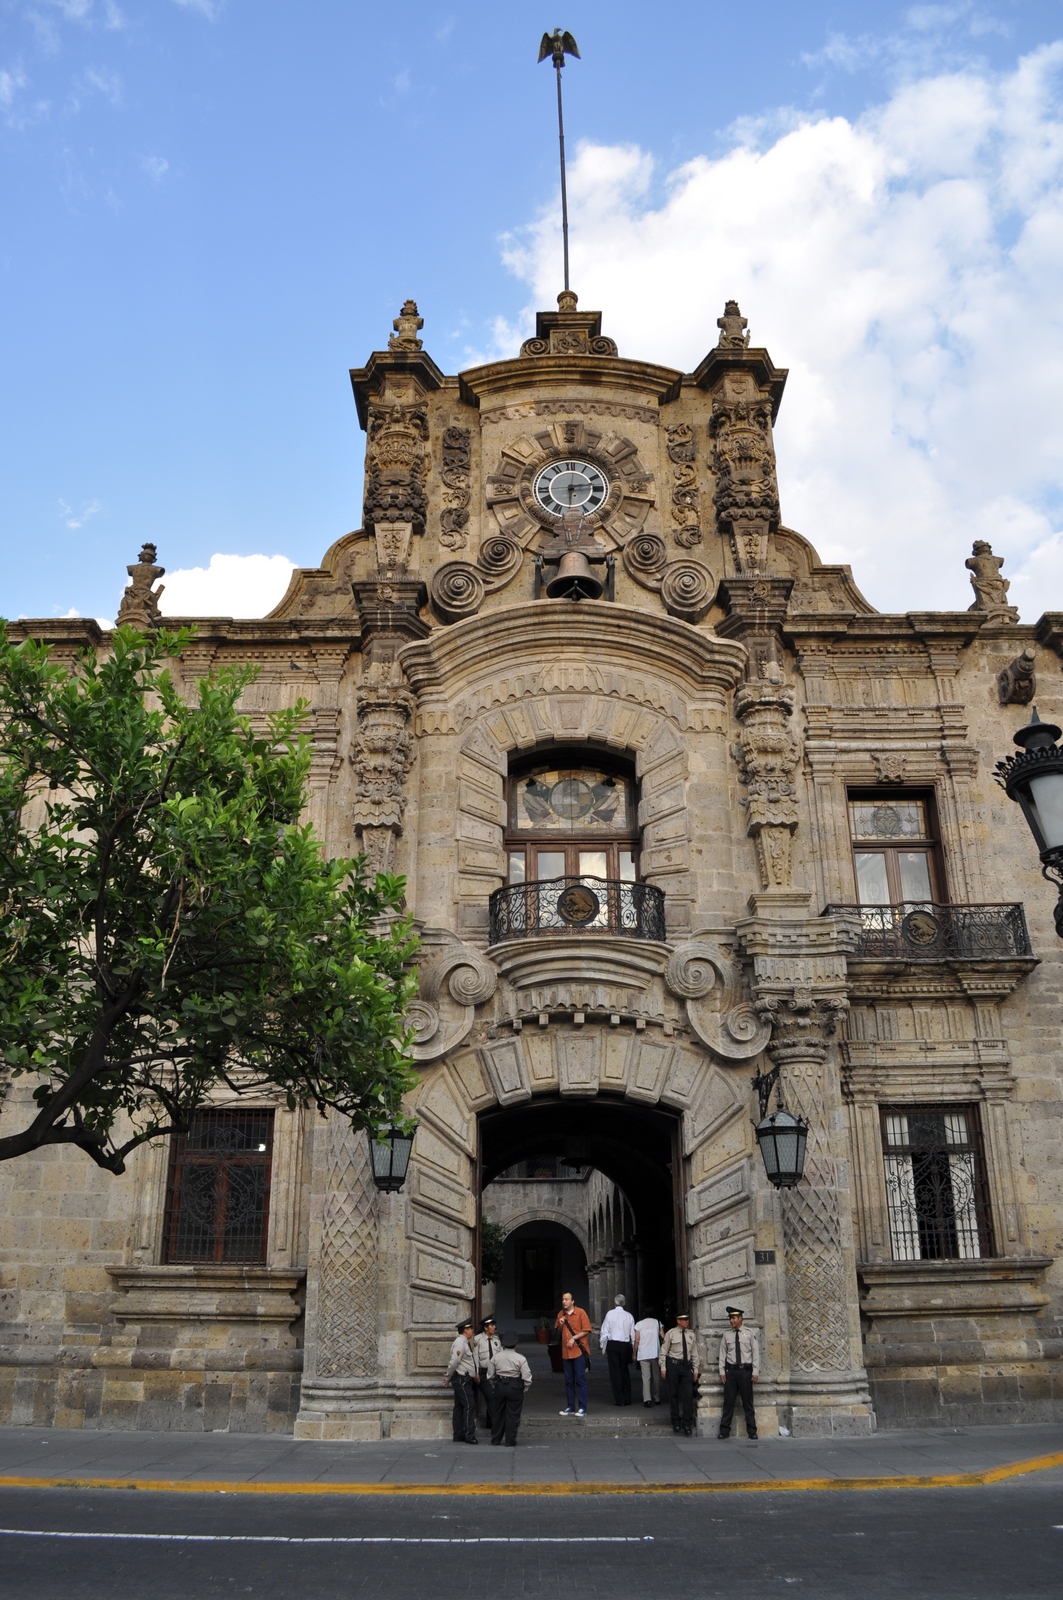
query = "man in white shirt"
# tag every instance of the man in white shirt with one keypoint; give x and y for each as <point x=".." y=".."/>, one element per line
<point x="647" y="1353"/>
<point x="616" y="1338"/>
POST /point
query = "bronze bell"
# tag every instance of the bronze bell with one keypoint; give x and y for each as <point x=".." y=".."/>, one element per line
<point x="574" y="579"/>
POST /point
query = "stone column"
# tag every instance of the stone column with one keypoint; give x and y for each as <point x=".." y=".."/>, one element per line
<point x="631" y="1278"/>
<point x="339" y="1396"/>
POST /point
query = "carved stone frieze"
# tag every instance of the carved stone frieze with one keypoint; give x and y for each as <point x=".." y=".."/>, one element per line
<point x="457" y="461"/>
<point x="396" y="465"/>
<point x="682" y="446"/>
<point x="381" y="755"/>
<point x="709" y="982"/>
<point x="767" y="756"/>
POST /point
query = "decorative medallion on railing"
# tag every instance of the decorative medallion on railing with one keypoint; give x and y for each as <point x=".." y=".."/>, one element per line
<point x="577" y="905"/>
<point x="929" y="932"/>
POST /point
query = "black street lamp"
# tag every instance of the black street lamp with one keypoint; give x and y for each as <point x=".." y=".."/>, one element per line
<point x="389" y="1156"/>
<point x="782" y="1137"/>
<point x="1035" y="779"/>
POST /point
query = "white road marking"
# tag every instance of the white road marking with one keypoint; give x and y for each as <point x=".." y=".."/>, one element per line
<point x="280" y="1538"/>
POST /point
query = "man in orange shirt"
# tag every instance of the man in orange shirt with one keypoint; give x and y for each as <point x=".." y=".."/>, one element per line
<point x="575" y="1328"/>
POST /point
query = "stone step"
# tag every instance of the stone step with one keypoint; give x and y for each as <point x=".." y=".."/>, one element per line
<point x="627" y="1426"/>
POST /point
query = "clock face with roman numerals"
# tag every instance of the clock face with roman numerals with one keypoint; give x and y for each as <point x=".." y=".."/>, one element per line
<point x="571" y="485"/>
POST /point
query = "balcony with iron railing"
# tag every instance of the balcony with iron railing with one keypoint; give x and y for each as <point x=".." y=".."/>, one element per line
<point x="933" y="932"/>
<point x="582" y="905"/>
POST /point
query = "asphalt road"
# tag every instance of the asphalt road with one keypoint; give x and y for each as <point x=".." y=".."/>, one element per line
<point x="922" y="1544"/>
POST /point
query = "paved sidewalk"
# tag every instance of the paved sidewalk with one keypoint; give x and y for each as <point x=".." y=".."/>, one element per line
<point x="256" y="1462"/>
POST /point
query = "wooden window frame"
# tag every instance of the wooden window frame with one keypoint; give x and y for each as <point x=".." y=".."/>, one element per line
<point x="571" y="844"/>
<point x="932" y="846"/>
<point x="182" y="1159"/>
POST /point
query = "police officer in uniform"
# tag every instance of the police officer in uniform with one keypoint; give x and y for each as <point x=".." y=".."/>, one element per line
<point x="739" y="1371"/>
<point x="461" y="1375"/>
<point x="680" y="1366"/>
<point x="511" y="1377"/>
<point x="485" y="1347"/>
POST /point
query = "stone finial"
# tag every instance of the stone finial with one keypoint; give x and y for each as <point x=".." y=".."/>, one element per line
<point x="140" y="602"/>
<point x="567" y="300"/>
<point x="990" y="589"/>
<point x="407" y="325"/>
<point x="732" y="326"/>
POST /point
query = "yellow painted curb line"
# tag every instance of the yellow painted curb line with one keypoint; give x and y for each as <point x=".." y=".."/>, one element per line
<point x="944" y="1480"/>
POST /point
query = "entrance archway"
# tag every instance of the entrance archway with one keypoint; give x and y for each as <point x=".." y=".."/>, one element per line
<point x="638" y="1148"/>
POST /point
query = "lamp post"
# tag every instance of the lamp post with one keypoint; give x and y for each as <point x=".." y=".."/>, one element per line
<point x="1034" y="778"/>
<point x="781" y="1136"/>
<point x="389" y="1157"/>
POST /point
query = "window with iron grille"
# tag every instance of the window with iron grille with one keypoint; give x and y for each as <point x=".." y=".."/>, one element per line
<point x="935" y="1183"/>
<point x="217" y="1201"/>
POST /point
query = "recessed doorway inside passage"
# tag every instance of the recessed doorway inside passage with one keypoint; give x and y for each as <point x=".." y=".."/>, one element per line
<point x="584" y="1196"/>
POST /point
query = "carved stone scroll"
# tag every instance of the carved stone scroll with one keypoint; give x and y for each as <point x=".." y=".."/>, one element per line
<point x="454" y="981"/>
<point x="709" y="982"/>
<point x="682" y="445"/>
<point x="457" y="459"/>
<point x="747" y="496"/>
<point x="456" y="591"/>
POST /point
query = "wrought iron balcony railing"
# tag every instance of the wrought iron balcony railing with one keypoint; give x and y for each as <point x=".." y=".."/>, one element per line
<point x="577" y="905"/>
<point x="926" y="932"/>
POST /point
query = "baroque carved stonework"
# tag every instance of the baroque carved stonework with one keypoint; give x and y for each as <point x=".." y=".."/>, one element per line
<point x="767" y="756"/>
<point x="510" y="488"/>
<point x="457" y="460"/>
<point x="348" y="1268"/>
<point x="139" y="607"/>
<point x="381" y="756"/>
<point x="682" y="445"/>
<point x="747" y="497"/>
<point x="396" y="465"/>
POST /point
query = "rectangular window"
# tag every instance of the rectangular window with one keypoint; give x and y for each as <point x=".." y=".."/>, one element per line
<point x="935" y="1183"/>
<point x="217" y="1201"/>
<point x="896" y="853"/>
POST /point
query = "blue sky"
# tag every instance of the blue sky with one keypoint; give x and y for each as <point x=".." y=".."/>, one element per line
<point x="211" y="210"/>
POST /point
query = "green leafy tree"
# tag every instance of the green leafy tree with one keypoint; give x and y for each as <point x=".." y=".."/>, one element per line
<point x="168" y="926"/>
<point x="492" y="1251"/>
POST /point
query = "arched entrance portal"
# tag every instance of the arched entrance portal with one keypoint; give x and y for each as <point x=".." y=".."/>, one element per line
<point x="640" y="1247"/>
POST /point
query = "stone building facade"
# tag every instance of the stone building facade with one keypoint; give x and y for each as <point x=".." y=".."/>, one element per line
<point x="714" y="816"/>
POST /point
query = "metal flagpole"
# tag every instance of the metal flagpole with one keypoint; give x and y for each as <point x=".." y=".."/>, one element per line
<point x="557" y="46"/>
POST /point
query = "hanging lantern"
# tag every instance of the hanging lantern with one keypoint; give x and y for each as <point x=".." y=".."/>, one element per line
<point x="389" y="1157"/>
<point x="782" y="1138"/>
<point x="1035" y="780"/>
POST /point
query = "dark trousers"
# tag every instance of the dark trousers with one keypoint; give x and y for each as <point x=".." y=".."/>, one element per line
<point x="487" y="1389"/>
<point x="576" y="1383"/>
<point x="618" y="1355"/>
<point x="738" y="1381"/>
<point x="680" y="1379"/>
<point x="508" y="1404"/>
<point x="464" y="1407"/>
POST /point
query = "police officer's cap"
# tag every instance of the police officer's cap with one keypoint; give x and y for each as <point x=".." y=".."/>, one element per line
<point x="488" y="1322"/>
<point x="466" y="1324"/>
<point x="682" y="1316"/>
<point x="735" y="1311"/>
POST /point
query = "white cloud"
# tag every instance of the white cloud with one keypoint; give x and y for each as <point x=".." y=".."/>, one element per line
<point x="156" y="167"/>
<point x="211" y="9"/>
<point x="78" y="519"/>
<point x="906" y="267"/>
<point x="232" y="586"/>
